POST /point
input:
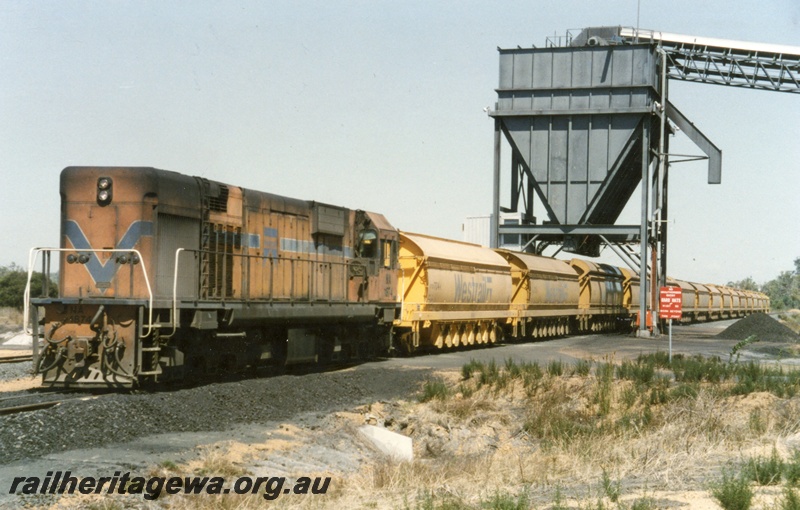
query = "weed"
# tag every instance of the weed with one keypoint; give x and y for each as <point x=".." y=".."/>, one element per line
<point x="791" y="469"/>
<point x="558" y="500"/>
<point x="640" y="373"/>
<point x="582" y="368"/>
<point x="752" y="377"/>
<point x="733" y="492"/>
<point x="697" y="369"/>
<point x="512" y="369"/>
<point x="790" y="500"/>
<point x="555" y="368"/>
<point x="218" y="463"/>
<point x="687" y="391"/>
<point x="465" y="390"/>
<point x="739" y="346"/>
<point x="643" y="504"/>
<point x="505" y="501"/>
<point x="555" y="422"/>
<point x="427" y="500"/>
<point x="603" y="394"/>
<point x="501" y="381"/>
<point x="658" y="359"/>
<point x="629" y="397"/>
<point x="637" y="421"/>
<point x="659" y="393"/>
<point x="434" y="389"/>
<point x="531" y="376"/>
<point x="469" y="368"/>
<point x="168" y="465"/>
<point x="764" y="471"/>
<point x="489" y="374"/>
<point x="610" y="489"/>
<point x="605" y="372"/>
<point x="756" y="422"/>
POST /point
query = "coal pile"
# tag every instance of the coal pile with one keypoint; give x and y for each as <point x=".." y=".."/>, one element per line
<point x="764" y="327"/>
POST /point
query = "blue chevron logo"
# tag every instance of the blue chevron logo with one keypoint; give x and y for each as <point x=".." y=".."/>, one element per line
<point x="104" y="272"/>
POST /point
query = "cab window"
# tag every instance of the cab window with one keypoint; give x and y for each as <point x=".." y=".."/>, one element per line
<point x="368" y="244"/>
<point x="388" y="253"/>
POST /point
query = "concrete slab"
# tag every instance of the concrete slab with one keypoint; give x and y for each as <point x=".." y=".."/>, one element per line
<point x="395" y="445"/>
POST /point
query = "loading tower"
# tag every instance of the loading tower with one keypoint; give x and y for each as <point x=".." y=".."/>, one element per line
<point x="588" y="118"/>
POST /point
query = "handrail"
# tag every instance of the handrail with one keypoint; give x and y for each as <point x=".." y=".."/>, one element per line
<point x="175" y="295"/>
<point x="32" y="256"/>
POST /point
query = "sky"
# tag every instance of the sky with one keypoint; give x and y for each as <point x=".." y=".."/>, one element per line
<point x="373" y="105"/>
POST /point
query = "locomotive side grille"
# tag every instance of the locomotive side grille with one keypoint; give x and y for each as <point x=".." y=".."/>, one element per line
<point x="219" y="203"/>
<point x="223" y="240"/>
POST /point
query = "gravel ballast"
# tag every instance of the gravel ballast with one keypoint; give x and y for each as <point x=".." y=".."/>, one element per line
<point x="114" y="418"/>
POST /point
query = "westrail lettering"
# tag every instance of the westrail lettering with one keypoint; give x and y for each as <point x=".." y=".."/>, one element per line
<point x="474" y="289"/>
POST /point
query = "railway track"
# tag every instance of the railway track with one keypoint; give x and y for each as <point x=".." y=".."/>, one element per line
<point x="17" y="359"/>
<point x="29" y="407"/>
<point x="37" y="401"/>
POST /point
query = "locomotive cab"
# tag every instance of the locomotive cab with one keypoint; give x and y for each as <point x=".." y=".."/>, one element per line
<point x="374" y="269"/>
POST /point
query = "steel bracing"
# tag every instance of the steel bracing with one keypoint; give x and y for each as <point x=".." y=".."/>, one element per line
<point x="724" y="62"/>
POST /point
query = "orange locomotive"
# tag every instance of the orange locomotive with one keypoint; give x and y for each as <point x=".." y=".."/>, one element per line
<point x="165" y="276"/>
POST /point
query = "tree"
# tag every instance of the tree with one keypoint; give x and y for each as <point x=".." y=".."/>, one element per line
<point x="746" y="284"/>
<point x="12" y="286"/>
<point x="784" y="291"/>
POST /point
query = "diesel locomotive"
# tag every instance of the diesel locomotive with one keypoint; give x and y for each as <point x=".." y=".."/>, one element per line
<point x="164" y="276"/>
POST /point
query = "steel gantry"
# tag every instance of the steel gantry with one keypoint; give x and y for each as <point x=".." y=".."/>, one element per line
<point x="724" y="62"/>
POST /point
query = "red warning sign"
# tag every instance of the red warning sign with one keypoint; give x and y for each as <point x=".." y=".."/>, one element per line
<point x="670" y="303"/>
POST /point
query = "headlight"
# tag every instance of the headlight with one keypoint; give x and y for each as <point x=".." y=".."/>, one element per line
<point x="105" y="187"/>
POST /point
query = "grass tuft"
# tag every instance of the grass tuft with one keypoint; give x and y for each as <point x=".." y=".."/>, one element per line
<point x="555" y="368"/>
<point x="764" y="471"/>
<point x="790" y="500"/>
<point x="733" y="492"/>
<point x="434" y="389"/>
<point x="610" y="489"/>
